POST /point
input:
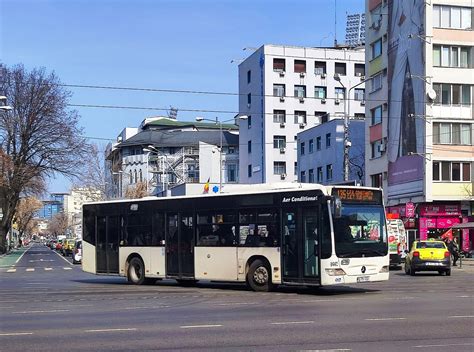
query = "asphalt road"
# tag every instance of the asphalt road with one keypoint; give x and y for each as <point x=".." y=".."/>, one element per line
<point x="48" y="304"/>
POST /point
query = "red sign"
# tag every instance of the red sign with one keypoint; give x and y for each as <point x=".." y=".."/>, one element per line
<point x="410" y="210"/>
<point x="440" y="210"/>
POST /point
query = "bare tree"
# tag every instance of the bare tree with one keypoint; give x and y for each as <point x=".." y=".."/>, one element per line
<point x="93" y="174"/>
<point x="38" y="138"/>
<point x="24" y="215"/>
<point x="58" y="224"/>
<point x="137" y="191"/>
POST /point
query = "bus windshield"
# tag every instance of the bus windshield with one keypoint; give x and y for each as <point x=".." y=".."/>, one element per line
<point x="360" y="231"/>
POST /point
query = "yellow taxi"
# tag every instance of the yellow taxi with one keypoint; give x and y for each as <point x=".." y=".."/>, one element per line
<point x="68" y="247"/>
<point x="428" y="256"/>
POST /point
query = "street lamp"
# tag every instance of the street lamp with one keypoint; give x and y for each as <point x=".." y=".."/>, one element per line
<point x="217" y="121"/>
<point x="347" y="111"/>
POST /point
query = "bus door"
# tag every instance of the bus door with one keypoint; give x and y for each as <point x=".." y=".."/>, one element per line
<point x="180" y="245"/>
<point x="107" y="256"/>
<point x="300" y="259"/>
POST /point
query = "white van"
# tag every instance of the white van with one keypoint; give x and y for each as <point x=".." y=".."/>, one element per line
<point x="397" y="240"/>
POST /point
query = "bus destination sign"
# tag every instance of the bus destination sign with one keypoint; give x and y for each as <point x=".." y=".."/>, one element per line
<point x="358" y="195"/>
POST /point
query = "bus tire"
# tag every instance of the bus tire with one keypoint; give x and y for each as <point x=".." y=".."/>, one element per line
<point x="136" y="271"/>
<point x="259" y="276"/>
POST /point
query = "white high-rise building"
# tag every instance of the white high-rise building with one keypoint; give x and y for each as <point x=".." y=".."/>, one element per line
<point x="284" y="90"/>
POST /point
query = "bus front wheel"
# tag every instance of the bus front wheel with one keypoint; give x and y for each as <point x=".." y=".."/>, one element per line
<point x="259" y="276"/>
<point x="136" y="271"/>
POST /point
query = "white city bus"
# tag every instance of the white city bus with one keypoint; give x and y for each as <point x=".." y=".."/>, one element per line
<point x="299" y="234"/>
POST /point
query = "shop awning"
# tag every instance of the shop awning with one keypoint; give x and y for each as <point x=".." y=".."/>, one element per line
<point x="466" y="225"/>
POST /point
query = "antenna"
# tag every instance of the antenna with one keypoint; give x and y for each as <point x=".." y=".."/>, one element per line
<point x="335" y="23"/>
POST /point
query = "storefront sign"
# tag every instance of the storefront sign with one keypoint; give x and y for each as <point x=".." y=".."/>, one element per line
<point x="444" y="223"/>
<point x="440" y="210"/>
<point x="410" y="210"/>
<point x="465" y="237"/>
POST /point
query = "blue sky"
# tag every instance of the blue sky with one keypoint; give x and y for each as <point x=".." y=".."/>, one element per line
<point x="164" y="44"/>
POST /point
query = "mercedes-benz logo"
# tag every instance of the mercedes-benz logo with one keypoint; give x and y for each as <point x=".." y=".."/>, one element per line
<point x="363" y="270"/>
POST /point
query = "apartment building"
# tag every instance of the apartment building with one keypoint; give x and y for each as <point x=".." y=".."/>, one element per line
<point x="285" y="90"/>
<point x="419" y="107"/>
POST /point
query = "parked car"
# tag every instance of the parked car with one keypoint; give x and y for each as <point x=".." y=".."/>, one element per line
<point x="77" y="252"/>
<point x="68" y="246"/>
<point x="52" y="244"/>
<point x="59" y="245"/>
<point x="428" y="256"/>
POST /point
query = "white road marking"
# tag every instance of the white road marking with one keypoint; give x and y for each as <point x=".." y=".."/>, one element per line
<point x="16" y="333"/>
<point x="111" y="330"/>
<point x="11" y="270"/>
<point x="152" y="307"/>
<point x="48" y="269"/>
<point x="331" y="350"/>
<point x="236" y="304"/>
<point x="42" y="311"/>
<point x="384" y="319"/>
<point x="66" y="268"/>
<point x="463" y="296"/>
<point x="200" y="326"/>
<point x="453" y="344"/>
<point x="63" y="258"/>
<point x="21" y="256"/>
<point x="322" y="300"/>
<point x="293" y="322"/>
<point x="30" y="269"/>
<point x="461" y="316"/>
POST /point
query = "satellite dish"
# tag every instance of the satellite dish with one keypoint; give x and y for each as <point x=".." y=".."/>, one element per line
<point x="431" y="94"/>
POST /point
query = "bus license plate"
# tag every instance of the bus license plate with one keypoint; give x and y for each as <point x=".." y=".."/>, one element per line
<point x="363" y="278"/>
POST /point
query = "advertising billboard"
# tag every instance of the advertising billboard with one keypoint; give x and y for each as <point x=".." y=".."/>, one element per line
<point x="406" y="97"/>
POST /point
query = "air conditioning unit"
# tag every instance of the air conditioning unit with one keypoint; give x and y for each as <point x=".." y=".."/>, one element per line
<point x="282" y="73"/>
<point x="362" y="78"/>
<point x="376" y="24"/>
<point x="282" y="98"/>
<point x="282" y="124"/>
<point x="302" y="125"/>
<point x="323" y="101"/>
<point x="301" y="100"/>
<point x="323" y="75"/>
<point x="282" y="150"/>
<point x="381" y="148"/>
<point x="358" y="74"/>
<point x="362" y="102"/>
<point x="385" y="106"/>
<point x="283" y="176"/>
<point x="337" y="101"/>
<point x="302" y="74"/>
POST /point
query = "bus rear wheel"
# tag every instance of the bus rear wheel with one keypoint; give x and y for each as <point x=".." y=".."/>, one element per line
<point x="136" y="271"/>
<point x="259" y="277"/>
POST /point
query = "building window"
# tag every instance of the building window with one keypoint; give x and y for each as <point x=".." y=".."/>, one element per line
<point x="339" y="93"/>
<point x="321" y="117"/>
<point x="300" y="66"/>
<point x="320" y="92"/>
<point x="300" y="91"/>
<point x="376" y="82"/>
<point x="135" y="175"/>
<point x="376" y="149"/>
<point x="249" y="121"/>
<point x="303" y="176"/>
<point x="328" y="140"/>
<point x="249" y="99"/>
<point x="452" y="56"/>
<point x="320" y="174"/>
<point x="452" y="133"/>
<point x="376" y="180"/>
<point x="311" y="146"/>
<point x="340" y="68"/>
<point x="140" y="173"/>
<point x="311" y="175"/>
<point x="329" y="172"/>
<point x="300" y="116"/>
<point x="452" y="17"/>
<point x="249" y="170"/>
<point x="279" y="65"/>
<point x="278" y="90"/>
<point x="131" y="177"/>
<point x="296" y="168"/>
<point x="376" y="48"/>
<point x="279" y="116"/>
<point x="302" y="148"/>
<point x="451" y="171"/>
<point x="452" y="94"/>
<point x="232" y="173"/>
<point x="279" y="142"/>
<point x="376" y="115"/>
<point x="319" y="67"/>
<point x="359" y="94"/>
<point x="279" y="168"/>
<point x="249" y="76"/>
<point x="249" y="146"/>
<point x="318" y="143"/>
<point x="359" y="70"/>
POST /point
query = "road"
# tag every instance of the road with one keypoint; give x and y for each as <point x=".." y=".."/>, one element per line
<point x="48" y="304"/>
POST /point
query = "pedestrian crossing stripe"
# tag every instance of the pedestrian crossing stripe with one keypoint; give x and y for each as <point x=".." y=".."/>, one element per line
<point x="14" y="270"/>
<point x="48" y="269"/>
<point x="11" y="270"/>
<point x="66" y="268"/>
<point x="30" y="269"/>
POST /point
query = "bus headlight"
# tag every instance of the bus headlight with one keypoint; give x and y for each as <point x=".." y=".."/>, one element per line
<point x="335" y="272"/>
<point x="384" y="269"/>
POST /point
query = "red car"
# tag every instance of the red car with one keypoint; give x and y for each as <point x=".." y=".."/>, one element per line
<point x="59" y="246"/>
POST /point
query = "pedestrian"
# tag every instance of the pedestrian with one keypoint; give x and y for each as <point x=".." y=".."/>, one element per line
<point x="453" y="249"/>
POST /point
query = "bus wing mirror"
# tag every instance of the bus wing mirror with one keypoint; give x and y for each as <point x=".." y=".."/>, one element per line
<point x="336" y="207"/>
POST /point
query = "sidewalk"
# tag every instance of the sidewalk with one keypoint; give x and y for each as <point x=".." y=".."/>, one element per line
<point x="11" y="257"/>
